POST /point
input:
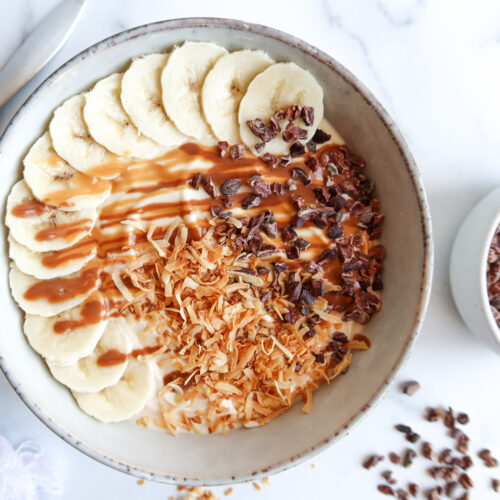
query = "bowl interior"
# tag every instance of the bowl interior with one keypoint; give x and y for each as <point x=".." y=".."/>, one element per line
<point x="218" y="459"/>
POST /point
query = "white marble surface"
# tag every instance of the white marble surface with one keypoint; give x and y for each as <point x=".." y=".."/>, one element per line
<point x="435" y="65"/>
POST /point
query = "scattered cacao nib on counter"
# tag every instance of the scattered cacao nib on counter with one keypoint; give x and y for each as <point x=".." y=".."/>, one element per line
<point x="448" y="470"/>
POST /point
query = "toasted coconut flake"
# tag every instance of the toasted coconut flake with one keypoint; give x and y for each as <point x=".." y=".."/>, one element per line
<point x="287" y="353"/>
<point x="308" y="400"/>
<point x="227" y="388"/>
<point x="153" y="242"/>
<point x="137" y="224"/>
<point x="122" y="288"/>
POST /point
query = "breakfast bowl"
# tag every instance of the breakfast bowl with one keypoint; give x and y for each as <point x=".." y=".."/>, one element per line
<point x="241" y="454"/>
<point x="468" y="269"/>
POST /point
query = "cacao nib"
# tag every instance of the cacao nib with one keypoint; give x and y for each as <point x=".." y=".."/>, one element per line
<point x="208" y="186"/>
<point x="259" y="147"/>
<point x="372" y="460"/>
<point x="237" y="151"/>
<point x="320" y="137"/>
<point x="230" y="186"/>
<point x="335" y="231"/>
<point x="320" y="221"/>
<point x="317" y="288"/>
<point x="255" y="243"/>
<point x="411" y="388"/>
<point x="465" y="481"/>
<point x="196" y="181"/>
<point x="385" y="489"/>
<point x="255" y="178"/>
<point x="284" y="160"/>
<point x="280" y="267"/>
<point x="215" y="210"/>
<point x="278" y="189"/>
<point x="302" y="244"/>
<point x="266" y="250"/>
<point x="298" y="201"/>
<point x="319" y="358"/>
<point x="387" y="475"/>
<point x="408" y="457"/>
<point x="309" y="335"/>
<point x="413" y="489"/>
<point x="313" y="268"/>
<point x="311" y="146"/>
<point x="293" y="252"/>
<point x="307" y="212"/>
<point x="307" y="115"/>
<point x="292" y="133"/>
<point x="266" y="297"/>
<point x="297" y="149"/>
<point x="327" y="255"/>
<point x="306" y="297"/>
<point x="263" y="189"/>
<point x="227" y="201"/>
<point x="292" y="112"/>
<point x="295" y="290"/>
<point x="312" y="164"/>
<point x="252" y="201"/>
<point x="271" y="229"/>
<point x="487" y="458"/>
<point x="222" y="147"/>
<point x="337" y="202"/>
<point x="288" y="234"/>
<point x="259" y="129"/>
<point x="270" y="160"/>
<point x="321" y="194"/>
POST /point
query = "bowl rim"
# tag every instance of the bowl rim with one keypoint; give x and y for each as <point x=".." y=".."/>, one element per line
<point x="412" y="170"/>
<point x="483" y="269"/>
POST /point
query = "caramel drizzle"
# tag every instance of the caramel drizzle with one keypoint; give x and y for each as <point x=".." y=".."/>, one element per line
<point x="93" y="312"/>
<point x="61" y="289"/>
<point x="69" y="231"/>
<point x="32" y="208"/>
<point x="141" y="184"/>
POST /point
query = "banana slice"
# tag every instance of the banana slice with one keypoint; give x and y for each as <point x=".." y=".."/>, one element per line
<point x="141" y="99"/>
<point x="110" y="126"/>
<point x="71" y="138"/>
<point x="277" y="87"/>
<point x="122" y="400"/>
<point x="48" y="265"/>
<point x="225" y="85"/>
<point x="50" y="297"/>
<point x="91" y="374"/>
<point x="40" y="228"/>
<point x="69" y="336"/>
<point x="181" y="82"/>
<point x="57" y="184"/>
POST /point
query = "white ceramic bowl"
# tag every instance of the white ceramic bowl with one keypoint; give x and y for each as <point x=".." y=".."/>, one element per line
<point x="468" y="266"/>
<point x="242" y="454"/>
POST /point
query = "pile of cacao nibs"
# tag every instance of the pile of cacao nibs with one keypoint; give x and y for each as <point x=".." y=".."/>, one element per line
<point x="292" y="132"/>
<point x="447" y="468"/>
<point x="493" y="276"/>
<point x="324" y="187"/>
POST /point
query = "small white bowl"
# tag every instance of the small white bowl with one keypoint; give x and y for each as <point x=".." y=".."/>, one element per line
<point x="468" y="266"/>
